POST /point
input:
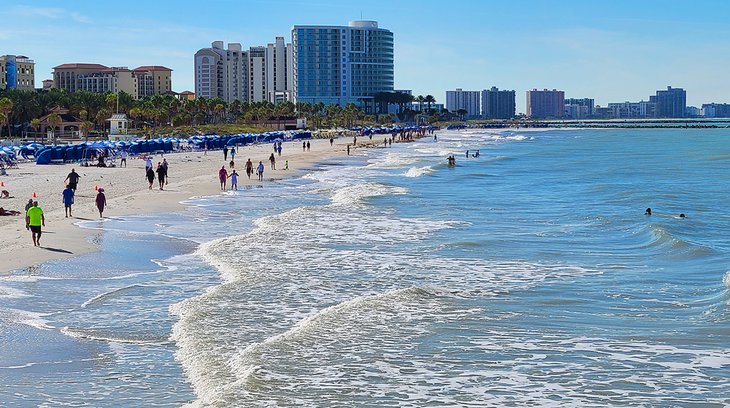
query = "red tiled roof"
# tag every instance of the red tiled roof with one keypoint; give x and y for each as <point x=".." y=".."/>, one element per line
<point x="152" y="68"/>
<point x="81" y="66"/>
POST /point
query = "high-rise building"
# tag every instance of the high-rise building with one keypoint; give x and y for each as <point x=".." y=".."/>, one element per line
<point x="257" y="74"/>
<point x="716" y="110"/>
<point x="17" y="72"/>
<point x="498" y="104"/>
<point x="254" y="75"/>
<point x="337" y="64"/>
<point x="545" y="104"/>
<point x="222" y="73"/>
<point x="671" y="103"/>
<point x="578" y="108"/>
<point x="139" y="82"/>
<point x="466" y="100"/>
<point x="280" y="76"/>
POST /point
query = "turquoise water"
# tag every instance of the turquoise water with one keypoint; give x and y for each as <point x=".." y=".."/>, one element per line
<point x="527" y="276"/>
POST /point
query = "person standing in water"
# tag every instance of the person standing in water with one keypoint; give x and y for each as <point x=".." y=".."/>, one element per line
<point x="100" y="202"/>
<point x="648" y="211"/>
<point x="34" y="219"/>
<point x="223" y="176"/>
<point x="68" y="200"/>
<point x="260" y="171"/>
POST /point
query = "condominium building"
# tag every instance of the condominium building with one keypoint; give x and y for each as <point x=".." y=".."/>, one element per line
<point x="17" y="72"/>
<point x="257" y="74"/>
<point x="463" y="100"/>
<point x="545" y="104"/>
<point x="716" y="110"/>
<point x="632" y="110"/>
<point x="222" y="73"/>
<point x="342" y="64"/>
<point x="578" y="108"/>
<point x="254" y="75"/>
<point x="280" y="75"/>
<point x="139" y="82"/>
<point x="498" y="104"/>
<point x="670" y="103"/>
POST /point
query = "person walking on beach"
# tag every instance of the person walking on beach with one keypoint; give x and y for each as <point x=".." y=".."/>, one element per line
<point x="332" y="141"/>
<point x="100" y="202"/>
<point x="34" y="219"/>
<point x="286" y="165"/>
<point x="161" y="175"/>
<point x="223" y="176"/>
<point x="205" y="149"/>
<point x="148" y="163"/>
<point x="304" y="146"/>
<point x="68" y="200"/>
<point x="272" y="159"/>
<point x="150" y="176"/>
<point x="233" y="153"/>
<point x="166" y="166"/>
<point x="348" y="150"/>
<point x="73" y="179"/>
<point x="249" y="168"/>
<point x="308" y="146"/>
<point x="234" y="180"/>
<point x="279" y="149"/>
<point x="260" y="171"/>
<point x="29" y="204"/>
<point x="225" y="153"/>
<point x="123" y="162"/>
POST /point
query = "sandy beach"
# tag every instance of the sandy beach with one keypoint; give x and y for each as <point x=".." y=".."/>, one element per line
<point x="127" y="191"/>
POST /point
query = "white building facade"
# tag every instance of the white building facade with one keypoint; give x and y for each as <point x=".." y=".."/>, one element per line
<point x="342" y="64"/>
<point x="466" y="100"/>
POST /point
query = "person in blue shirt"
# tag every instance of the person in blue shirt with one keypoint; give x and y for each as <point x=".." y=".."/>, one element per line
<point x="68" y="200"/>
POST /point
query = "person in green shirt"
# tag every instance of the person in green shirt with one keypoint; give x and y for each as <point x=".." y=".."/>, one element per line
<point x="34" y="219"/>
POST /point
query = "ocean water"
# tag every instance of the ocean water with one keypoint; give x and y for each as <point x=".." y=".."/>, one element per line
<point x="527" y="276"/>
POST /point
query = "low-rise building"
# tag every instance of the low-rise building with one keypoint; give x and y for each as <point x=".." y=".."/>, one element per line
<point x="579" y="108"/>
<point x="716" y="110"/>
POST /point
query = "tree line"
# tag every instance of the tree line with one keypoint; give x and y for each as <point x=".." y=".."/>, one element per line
<point x="20" y="110"/>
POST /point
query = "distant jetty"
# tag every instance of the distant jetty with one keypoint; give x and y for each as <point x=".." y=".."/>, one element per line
<point x="686" y="123"/>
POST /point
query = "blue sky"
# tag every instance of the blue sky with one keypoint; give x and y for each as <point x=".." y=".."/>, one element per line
<point x="611" y="51"/>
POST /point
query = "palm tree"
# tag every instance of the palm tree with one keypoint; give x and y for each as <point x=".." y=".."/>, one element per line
<point x="429" y="99"/>
<point x="35" y="124"/>
<point x="218" y="109"/>
<point x="85" y="127"/>
<point x="420" y="99"/>
<point x="54" y="120"/>
<point x="6" y="107"/>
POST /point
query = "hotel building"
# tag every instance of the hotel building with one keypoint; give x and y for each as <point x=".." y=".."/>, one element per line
<point x="139" y="82"/>
<point x="342" y="64"/>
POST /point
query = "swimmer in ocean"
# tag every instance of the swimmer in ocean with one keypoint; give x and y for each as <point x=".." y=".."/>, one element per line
<point x="648" y="211"/>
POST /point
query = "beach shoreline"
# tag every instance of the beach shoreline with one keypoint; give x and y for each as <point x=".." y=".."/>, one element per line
<point x="192" y="174"/>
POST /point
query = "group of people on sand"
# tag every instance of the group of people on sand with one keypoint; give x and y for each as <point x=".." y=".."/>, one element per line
<point x="223" y="174"/>
<point x="161" y="171"/>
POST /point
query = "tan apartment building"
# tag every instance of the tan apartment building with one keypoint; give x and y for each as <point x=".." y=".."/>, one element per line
<point x="139" y="82"/>
<point x="17" y="72"/>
